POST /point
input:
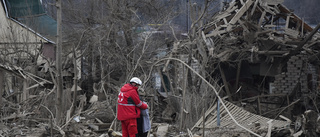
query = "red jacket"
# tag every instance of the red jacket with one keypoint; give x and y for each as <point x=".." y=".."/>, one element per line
<point x="129" y="104"/>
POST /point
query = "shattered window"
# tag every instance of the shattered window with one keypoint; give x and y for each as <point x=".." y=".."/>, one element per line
<point x="23" y="8"/>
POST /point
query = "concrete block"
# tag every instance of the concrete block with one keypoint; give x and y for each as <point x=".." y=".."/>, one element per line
<point x="162" y="130"/>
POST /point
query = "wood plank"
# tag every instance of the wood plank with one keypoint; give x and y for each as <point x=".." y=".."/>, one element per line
<point x="14" y="116"/>
<point x="231" y="6"/>
<point x="284" y="9"/>
<point x="302" y="28"/>
<point x="243" y="117"/>
<point x="210" y="119"/>
<point x="225" y="21"/>
<point x="261" y="19"/>
<point x="273" y="2"/>
<point x="259" y="106"/>
<point x="242" y="10"/>
<point x="234" y="109"/>
<point x="216" y="33"/>
<point x="221" y="16"/>
<point x="315" y="30"/>
<point x="241" y="1"/>
<point x="270" y="26"/>
<point x="25" y="94"/>
<point x="274" y="9"/>
<point x="232" y="9"/>
<point x="287" y="22"/>
<point x="291" y="32"/>
<point x="206" y="115"/>
<point x="254" y="7"/>
<point x="1" y="86"/>
<point x="267" y="9"/>
<point x="244" y="27"/>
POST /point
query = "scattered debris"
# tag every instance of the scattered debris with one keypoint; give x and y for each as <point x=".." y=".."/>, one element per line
<point x="162" y="130"/>
<point x="266" y="60"/>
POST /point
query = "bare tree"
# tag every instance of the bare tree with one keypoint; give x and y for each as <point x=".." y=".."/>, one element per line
<point x="59" y="100"/>
<point x="115" y="40"/>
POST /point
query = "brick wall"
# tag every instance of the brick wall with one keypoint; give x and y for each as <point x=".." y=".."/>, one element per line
<point x="297" y="71"/>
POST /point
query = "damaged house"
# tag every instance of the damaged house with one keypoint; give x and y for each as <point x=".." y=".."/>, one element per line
<point x="260" y="57"/>
<point x="27" y="61"/>
<point x="266" y="61"/>
<point x="25" y="30"/>
<point x="26" y="26"/>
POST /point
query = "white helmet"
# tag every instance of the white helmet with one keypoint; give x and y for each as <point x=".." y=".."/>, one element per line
<point x="136" y="80"/>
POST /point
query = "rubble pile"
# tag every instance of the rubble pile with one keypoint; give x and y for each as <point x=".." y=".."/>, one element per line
<point x="257" y="30"/>
<point x="266" y="58"/>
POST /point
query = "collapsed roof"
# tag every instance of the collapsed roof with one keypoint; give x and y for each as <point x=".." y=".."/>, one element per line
<point x="247" y="29"/>
<point x="257" y="31"/>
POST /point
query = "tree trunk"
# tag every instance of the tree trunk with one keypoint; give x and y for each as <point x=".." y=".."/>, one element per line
<point x="59" y="100"/>
<point x="1" y="86"/>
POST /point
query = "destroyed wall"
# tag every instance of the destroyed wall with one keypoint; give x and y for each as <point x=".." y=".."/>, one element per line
<point x="268" y="36"/>
<point x="300" y="73"/>
<point x="297" y="72"/>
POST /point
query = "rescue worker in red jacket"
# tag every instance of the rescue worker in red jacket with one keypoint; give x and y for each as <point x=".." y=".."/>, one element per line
<point x="129" y="106"/>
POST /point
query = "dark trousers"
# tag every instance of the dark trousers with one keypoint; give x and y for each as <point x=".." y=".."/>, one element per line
<point x="140" y="131"/>
<point x="140" y="134"/>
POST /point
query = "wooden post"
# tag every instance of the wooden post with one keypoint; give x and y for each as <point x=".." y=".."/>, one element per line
<point x="204" y="115"/>
<point x="170" y="83"/>
<point x="287" y="22"/>
<point x="59" y="100"/>
<point x="261" y="20"/>
<point x="1" y="86"/>
<point x="302" y="28"/>
<point x="185" y="76"/>
<point x="238" y="75"/>
<point x="218" y="113"/>
<point x="164" y="84"/>
<point x="225" y="83"/>
<point x="25" y="94"/>
<point x="51" y="124"/>
<point x="75" y="81"/>
<point x="203" y="121"/>
<point x="259" y="107"/>
<point x="288" y="102"/>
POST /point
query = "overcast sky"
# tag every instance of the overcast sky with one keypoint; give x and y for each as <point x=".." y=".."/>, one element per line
<point x="306" y="9"/>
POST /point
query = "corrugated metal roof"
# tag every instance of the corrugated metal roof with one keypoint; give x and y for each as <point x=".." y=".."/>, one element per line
<point x="243" y="117"/>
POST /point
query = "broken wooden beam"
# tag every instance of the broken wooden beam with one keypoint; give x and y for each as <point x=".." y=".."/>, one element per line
<point x="242" y="10"/>
<point x="13" y="116"/>
<point x="297" y="50"/>
<point x="226" y="85"/>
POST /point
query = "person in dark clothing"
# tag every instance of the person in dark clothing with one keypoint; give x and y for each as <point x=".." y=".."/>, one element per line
<point x="140" y="128"/>
<point x="143" y="122"/>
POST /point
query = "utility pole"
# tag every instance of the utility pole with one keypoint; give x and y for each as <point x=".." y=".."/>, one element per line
<point x="59" y="100"/>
